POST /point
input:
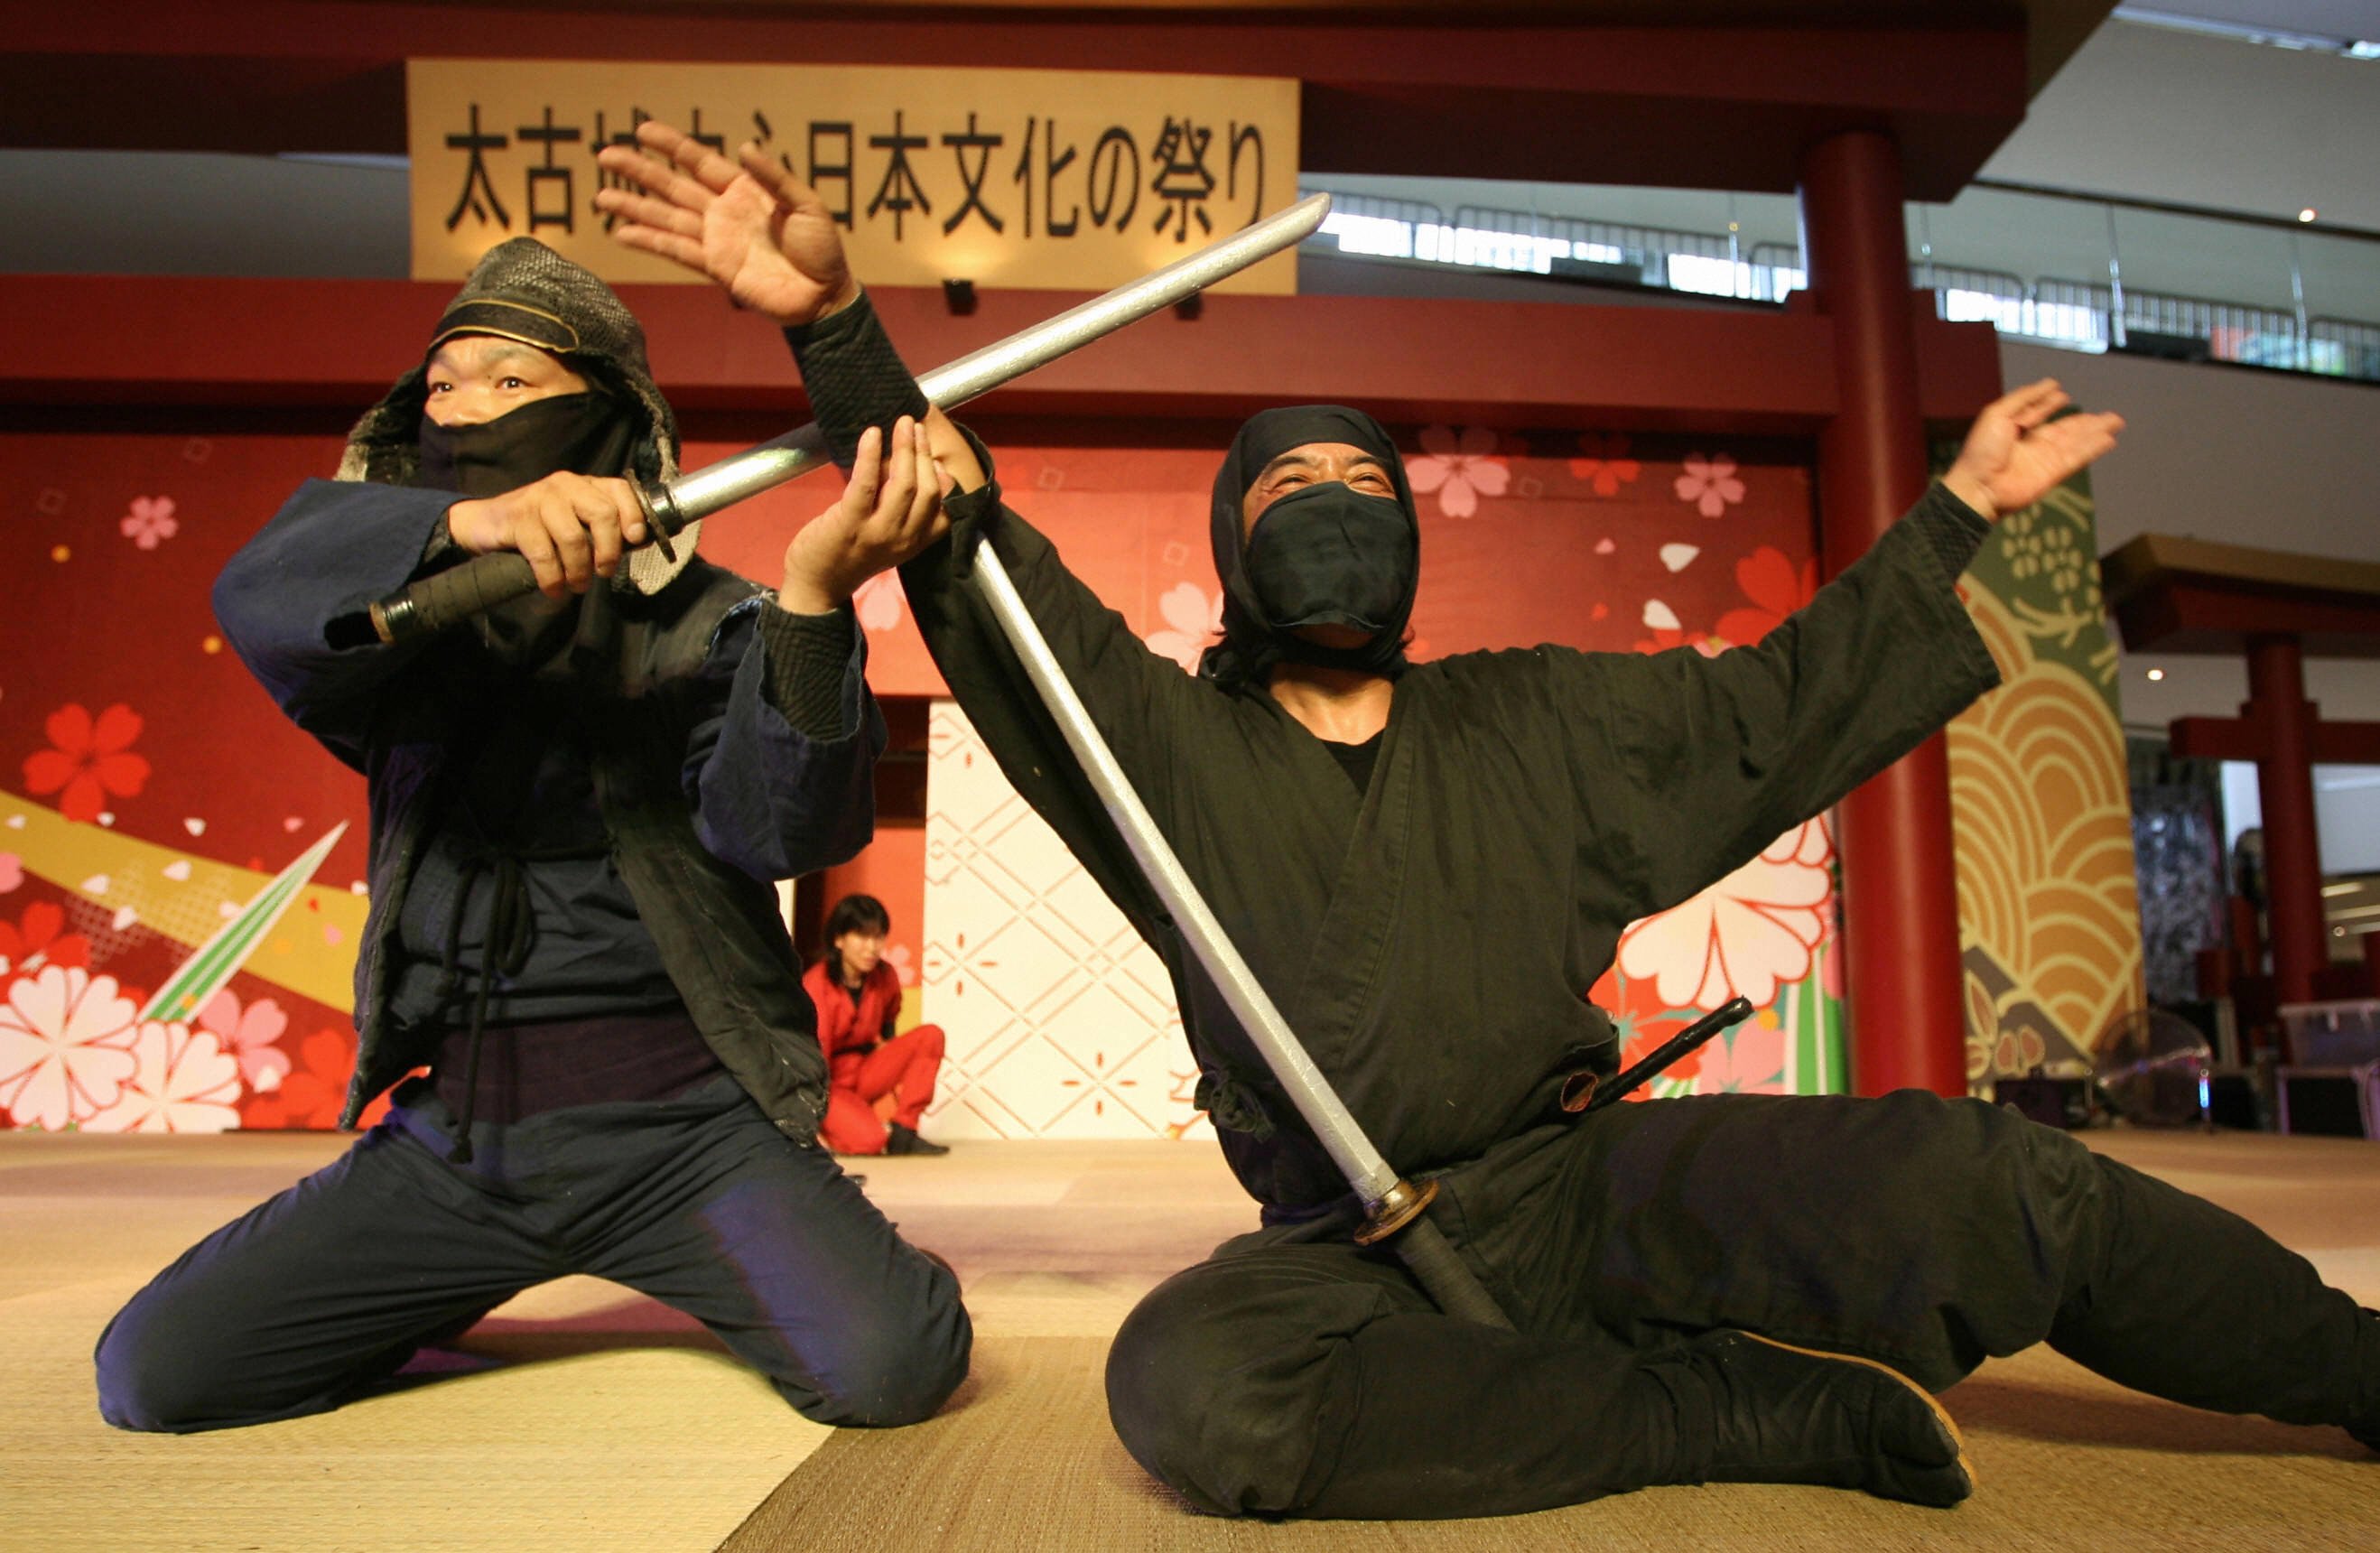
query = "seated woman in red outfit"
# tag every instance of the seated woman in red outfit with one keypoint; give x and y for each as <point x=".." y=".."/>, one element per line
<point x="877" y="1083"/>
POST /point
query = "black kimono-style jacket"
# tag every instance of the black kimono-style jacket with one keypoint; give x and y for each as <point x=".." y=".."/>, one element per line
<point x="1432" y="941"/>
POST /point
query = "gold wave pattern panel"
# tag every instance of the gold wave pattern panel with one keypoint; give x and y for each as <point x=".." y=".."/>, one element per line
<point x="2042" y="820"/>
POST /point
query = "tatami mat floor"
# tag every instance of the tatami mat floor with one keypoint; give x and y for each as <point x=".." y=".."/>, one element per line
<point x="582" y="1417"/>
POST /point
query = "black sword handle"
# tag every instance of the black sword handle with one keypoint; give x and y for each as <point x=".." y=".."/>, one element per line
<point x="430" y="605"/>
<point x="1443" y="1273"/>
<point x="1735" y="1011"/>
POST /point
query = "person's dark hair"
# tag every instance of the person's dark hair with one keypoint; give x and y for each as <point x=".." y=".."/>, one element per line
<point x="853" y="914"/>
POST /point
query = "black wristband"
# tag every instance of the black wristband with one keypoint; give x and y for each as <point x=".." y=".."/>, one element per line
<point x="808" y="655"/>
<point x="853" y="377"/>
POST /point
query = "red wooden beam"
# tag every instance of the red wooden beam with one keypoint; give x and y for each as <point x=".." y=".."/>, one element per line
<point x="1708" y="105"/>
<point x="2248" y="738"/>
<point x="80" y="340"/>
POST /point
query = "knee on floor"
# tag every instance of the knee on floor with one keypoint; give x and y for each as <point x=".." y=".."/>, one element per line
<point x="1217" y="1423"/>
<point x="890" y="1375"/>
<point x="160" y="1386"/>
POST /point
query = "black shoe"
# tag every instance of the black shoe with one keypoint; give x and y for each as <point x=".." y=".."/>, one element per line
<point x="901" y="1140"/>
<point x="1786" y="1415"/>
<point x="2365" y="1425"/>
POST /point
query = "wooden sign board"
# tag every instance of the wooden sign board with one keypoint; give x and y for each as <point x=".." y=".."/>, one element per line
<point x="1051" y="180"/>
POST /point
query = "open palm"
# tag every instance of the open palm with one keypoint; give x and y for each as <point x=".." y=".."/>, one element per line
<point x="749" y="225"/>
<point x="2017" y="452"/>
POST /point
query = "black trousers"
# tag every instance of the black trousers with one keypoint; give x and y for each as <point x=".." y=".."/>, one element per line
<point x="1304" y="1376"/>
<point x="324" y="1291"/>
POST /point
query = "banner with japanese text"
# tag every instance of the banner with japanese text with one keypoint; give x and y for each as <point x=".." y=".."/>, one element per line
<point x="1045" y="179"/>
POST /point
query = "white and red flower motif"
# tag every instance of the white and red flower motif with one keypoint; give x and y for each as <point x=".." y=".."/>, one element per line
<point x="1709" y="484"/>
<point x="251" y="1035"/>
<point x="65" y="1046"/>
<point x="1747" y="935"/>
<point x="878" y="602"/>
<point x="184" y="1082"/>
<point x="1606" y="467"/>
<point x="1193" y="620"/>
<point x="150" y="522"/>
<point x="91" y="760"/>
<point x="1460" y="468"/>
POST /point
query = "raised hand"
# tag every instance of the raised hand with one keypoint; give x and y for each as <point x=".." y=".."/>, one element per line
<point x="892" y="508"/>
<point x="749" y="225"/>
<point x="571" y="528"/>
<point x="2015" y="453"/>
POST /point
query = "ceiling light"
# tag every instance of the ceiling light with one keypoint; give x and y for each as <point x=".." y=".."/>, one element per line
<point x="2306" y="214"/>
<point x="2157" y="673"/>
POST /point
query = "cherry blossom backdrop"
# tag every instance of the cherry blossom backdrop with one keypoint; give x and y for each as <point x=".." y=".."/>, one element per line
<point x="181" y="871"/>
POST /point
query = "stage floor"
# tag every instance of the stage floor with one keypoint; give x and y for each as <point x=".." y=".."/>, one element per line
<point x="583" y="1417"/>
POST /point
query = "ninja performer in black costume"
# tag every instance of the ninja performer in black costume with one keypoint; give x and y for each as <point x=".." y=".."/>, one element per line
<point x="1427" y="865"/>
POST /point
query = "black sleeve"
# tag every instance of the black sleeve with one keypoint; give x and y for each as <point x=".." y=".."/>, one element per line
<point x="853" y="377"/>
<point x="1689" y="766"/>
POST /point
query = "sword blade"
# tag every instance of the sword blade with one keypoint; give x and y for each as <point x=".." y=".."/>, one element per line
<point x="732" y="479"/>
<point x="437" y="602"/>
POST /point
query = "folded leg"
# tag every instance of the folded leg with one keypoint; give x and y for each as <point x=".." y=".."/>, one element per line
<point x="1317" y="1380"/>
<point x="313" y="1296"/>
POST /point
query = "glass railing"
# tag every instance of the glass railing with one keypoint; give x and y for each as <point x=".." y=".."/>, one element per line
<point x="2083" y="274"/>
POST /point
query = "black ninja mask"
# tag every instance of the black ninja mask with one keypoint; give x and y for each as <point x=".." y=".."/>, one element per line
<point x="1325" y="554"/>
<point x="1330" y="555"/>
<point x="587" y="433"/>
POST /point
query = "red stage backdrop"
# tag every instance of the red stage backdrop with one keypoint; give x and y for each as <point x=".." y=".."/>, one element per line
<point x="152" y="800"/>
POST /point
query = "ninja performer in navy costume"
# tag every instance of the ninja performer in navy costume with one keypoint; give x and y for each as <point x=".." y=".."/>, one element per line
<point x="1427" y="865"/>
<point x="578" y="803"/>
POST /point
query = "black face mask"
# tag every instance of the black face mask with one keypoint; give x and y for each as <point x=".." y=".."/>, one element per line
<point x="585" y="433"/>
<point x="1329" y="555"/>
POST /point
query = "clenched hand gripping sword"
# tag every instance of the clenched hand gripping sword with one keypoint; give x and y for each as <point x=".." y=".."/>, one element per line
<point x="1395" y="1208"/>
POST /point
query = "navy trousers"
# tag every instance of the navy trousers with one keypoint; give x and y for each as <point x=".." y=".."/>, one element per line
<point x="325" y="1291"/>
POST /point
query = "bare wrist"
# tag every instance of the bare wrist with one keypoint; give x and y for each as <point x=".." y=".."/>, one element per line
<point x="802" y="595"/>
<point x="1972" y="491"/>
<point x="463" y="529"/>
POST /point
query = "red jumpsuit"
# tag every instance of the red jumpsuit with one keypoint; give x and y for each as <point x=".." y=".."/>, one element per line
<point x="866" y="1061"/>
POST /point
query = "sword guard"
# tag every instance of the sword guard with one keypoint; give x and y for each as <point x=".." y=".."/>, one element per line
<point x="1400" y="1206"/>
<point x="663" y="518"/>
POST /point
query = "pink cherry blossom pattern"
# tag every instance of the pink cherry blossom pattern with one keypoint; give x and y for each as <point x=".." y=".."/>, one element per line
<point x="150" y="522"/>
<point x="12" y="871"/>
<point x="1460" y="468"/>
<point x="65" y="1046"/>
<point x="1748" y="1060"/>
<point x="1606" y="467"/>
<point x="1709" y="484"/>
<point x="1752" y="932"/>
<point x="878" y="602"/>
<point x="91" y="760"/>
<point x="182" y="1082"/>
<point x="1193" y="621"/>
<point x="899" y="958"/>
<point x="251" y="1035"/>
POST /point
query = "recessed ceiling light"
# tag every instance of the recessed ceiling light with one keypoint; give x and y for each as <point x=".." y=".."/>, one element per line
<point x="2306" y="214"/>
<point x="2157" y="673"/>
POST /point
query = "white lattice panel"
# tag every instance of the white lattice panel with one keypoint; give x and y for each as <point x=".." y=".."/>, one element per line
<point x="1059" y="1021"/>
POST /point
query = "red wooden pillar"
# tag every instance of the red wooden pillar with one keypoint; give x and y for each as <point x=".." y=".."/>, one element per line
<point x="1900" y="904"/>
<point x="2276" y="698"/>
